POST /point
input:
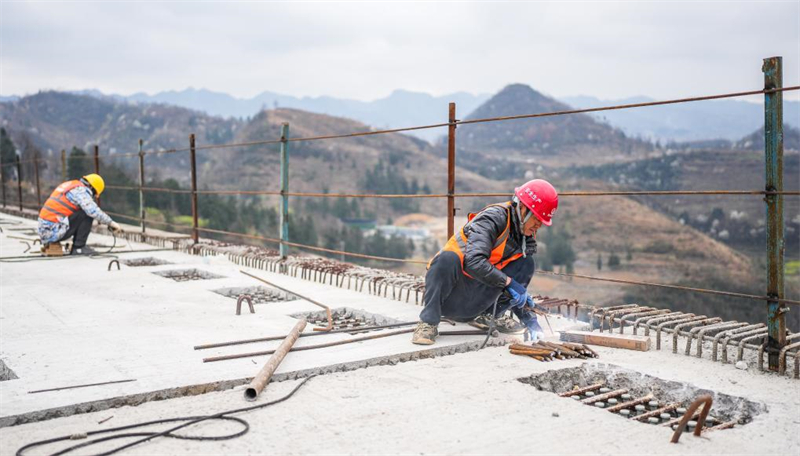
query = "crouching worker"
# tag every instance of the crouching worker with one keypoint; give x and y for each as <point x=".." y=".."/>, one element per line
<point x="70" y="211"/>
<point x="484" y="269"/>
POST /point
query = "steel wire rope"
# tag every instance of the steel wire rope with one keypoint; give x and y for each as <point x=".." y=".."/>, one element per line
<point x="675" y="287"/>
<point x="147" y="436"/>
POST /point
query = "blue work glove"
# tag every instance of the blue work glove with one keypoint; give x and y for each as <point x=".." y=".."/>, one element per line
<point x="535" y="332"/>
<point x="519" y="295"/>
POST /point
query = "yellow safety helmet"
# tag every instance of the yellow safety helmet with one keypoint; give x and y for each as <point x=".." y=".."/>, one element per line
<point x="96" y="182"/>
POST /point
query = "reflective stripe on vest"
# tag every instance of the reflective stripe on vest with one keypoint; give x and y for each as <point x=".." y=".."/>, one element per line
<point x="458" y="243"/>
<point x="57" y="205"/>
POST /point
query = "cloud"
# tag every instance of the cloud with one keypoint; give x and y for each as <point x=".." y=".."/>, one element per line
<point x="366" y="50"/>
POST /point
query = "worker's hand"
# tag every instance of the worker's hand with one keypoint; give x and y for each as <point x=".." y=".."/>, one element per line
<point x="519" y="295"/>
<point x="114" y="227"/>
<point x="535" y="331"/>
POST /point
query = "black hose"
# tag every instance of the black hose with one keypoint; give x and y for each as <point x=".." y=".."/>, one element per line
<point x="147" y="436"/>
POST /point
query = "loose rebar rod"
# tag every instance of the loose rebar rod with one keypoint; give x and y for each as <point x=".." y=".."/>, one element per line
<point x="305" y="334"/>
<point x="341" y="342"/>
<point x="80" y="386"/>
<point x="265" y="374"/>
<point x="773" y="154"/>
<point x="705" y="401"/>
<point x="316" y="303"/>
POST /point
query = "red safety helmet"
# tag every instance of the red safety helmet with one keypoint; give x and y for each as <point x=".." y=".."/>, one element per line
<point x="540" y="197"/>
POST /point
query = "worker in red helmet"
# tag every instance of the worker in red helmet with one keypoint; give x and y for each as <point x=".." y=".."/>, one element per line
<point x="485" y="268"/>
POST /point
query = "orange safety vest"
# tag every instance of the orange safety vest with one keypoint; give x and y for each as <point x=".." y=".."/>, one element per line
<point x="458" y="243"/>
<point x="58" y="205"/>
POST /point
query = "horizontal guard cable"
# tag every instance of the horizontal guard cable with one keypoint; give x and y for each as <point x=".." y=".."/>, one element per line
<point x="675" y="287"/>
<point x="461" y="122"/>
<point x="457" y="195"/>
<point x="628" y="282"/>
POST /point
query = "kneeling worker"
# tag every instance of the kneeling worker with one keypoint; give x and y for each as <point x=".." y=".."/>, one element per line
<point x="487" y="266"/>
<point x="70" y="211"/>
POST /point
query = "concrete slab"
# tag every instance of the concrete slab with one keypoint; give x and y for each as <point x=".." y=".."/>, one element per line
<point x="72" y="322"/>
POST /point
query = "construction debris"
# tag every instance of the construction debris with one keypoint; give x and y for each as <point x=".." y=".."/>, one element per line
<point x="548" y="351"/>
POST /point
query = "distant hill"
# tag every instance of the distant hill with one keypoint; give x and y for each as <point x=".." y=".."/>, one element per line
<point x="505" y="149"/>
<point x="402" y="108"/>
<point x="695" y="121"/>
<point x="755" y="140"/>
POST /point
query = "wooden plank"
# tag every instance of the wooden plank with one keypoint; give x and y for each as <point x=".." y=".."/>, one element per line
<point x="626" y="341"/>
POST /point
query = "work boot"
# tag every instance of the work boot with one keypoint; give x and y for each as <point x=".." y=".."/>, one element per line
<point x="425" y="334"/>
<point x="504" y="324"/>
<point x="85" y="250"/>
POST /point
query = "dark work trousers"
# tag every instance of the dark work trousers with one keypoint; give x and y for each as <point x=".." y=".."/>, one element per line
<point x="80" y="225"/>
<point x="451" y="294"/>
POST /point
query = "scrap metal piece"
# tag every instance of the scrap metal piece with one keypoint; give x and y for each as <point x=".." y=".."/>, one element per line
<point x="702" y="400"/>
<point x="249" y="300"/>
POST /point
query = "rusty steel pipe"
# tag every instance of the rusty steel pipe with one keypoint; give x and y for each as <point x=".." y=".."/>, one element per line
<point x="261" y="379"/>
<point x="702" y="400"/>
<point x="327" y="309"/>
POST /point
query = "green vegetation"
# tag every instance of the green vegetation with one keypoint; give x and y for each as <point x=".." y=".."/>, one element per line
<point x="8" y="153"/>
<point x="559" y="250"/>
<point x="792" y="268"/>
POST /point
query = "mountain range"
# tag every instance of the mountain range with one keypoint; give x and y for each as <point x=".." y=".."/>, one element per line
<point x="720" y="119"/>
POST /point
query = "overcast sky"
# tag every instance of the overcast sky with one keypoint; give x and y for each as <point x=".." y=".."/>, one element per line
<point x="366" y="50"/>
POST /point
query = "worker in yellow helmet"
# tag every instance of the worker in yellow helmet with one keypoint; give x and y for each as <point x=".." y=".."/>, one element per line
<point x="70" y="211"/>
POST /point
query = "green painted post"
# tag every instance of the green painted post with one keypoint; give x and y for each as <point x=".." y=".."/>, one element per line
<point x="284" y="249"/>
<point x="773" y="151"/>
<point x="141" y="184"/>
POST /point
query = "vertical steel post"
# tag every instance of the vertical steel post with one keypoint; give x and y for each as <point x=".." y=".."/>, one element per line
<point x="284" y="249"/>
<point x="36" y="176"/>
<point x="63" y="165"/>
<point x="141" y="183"/>
<point x="3" y="179"/>
<point x="97" y="165"/>
<point x="195" y="235"/>
<point x="19" y="183"/>
<point x="773" y="150"/>
<point x="451" y="170"/>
